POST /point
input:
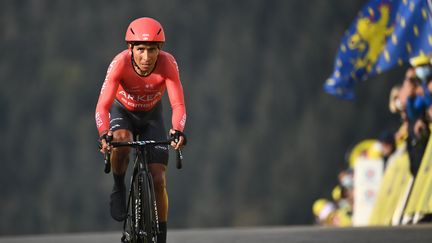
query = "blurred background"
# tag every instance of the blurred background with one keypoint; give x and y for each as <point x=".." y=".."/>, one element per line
<point x="265" y="140"/>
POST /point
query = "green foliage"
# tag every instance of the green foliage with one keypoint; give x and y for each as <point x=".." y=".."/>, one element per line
<point x="264" y="139"/>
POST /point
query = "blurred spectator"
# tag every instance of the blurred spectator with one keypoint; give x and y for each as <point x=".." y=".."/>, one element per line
<point x="339" y="196"/>
<point x="387" y="144"/>
<point x="322" y="210"/>
<point x="327" y="213"/>
<point x="423" y="71"/>
<point x="417" y="103"/>
<point x="346" y="181"/>
<point x="397" y="107"/>
<point x="410" y="87"/>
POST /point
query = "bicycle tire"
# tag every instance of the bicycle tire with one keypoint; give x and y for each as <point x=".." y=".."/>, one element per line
<point x="132" y="229"/>
<point x="141" y="225"/>
<point x="148" y="207"/>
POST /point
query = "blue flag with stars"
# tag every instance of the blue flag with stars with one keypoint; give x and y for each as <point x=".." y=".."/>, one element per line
<point x="385" y="34"/>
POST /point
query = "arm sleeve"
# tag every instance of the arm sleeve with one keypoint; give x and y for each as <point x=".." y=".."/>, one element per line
<point x="106" y="97"/>
<point x="176" y="97"/>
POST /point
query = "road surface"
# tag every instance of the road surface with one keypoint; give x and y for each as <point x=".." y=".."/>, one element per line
<point x="293" y="234"/>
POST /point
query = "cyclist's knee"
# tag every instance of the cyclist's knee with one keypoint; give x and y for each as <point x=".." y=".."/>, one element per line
<point x="122" y="153"/>
<point x="122" y="135"/>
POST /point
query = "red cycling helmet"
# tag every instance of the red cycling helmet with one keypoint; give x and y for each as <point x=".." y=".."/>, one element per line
<point x="145" y="29"/>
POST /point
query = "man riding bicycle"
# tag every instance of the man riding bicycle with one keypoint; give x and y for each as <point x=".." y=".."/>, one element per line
<point x="130" y="104"/>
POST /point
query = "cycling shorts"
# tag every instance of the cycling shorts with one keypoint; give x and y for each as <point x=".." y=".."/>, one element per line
<point x="147" y="125"/>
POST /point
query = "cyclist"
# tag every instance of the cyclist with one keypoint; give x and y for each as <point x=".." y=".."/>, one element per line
<point x="130" y="103"/>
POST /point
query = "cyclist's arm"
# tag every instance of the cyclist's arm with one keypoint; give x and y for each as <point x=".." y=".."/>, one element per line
<point x="176" y="97"/>
<point x="106" y="98"/>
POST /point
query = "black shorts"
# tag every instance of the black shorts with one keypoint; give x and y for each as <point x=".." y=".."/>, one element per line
<point x="147" y="125"/>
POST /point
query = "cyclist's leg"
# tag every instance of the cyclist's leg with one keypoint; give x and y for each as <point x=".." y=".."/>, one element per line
<point x="121" y="126"/>
<point x="120" y="156"/>
<point x="159" y="180"/>
<point x="119" y="164"/>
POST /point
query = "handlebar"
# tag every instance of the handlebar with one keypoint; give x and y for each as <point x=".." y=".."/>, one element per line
<point x="138" y="144"/>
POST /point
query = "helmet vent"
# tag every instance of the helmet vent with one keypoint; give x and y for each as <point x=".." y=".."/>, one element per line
<point x="132" y="31"/>
<point x="159" y="31"/>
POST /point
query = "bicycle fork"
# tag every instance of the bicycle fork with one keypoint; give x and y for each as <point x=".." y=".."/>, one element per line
<point x="155" y="210"/>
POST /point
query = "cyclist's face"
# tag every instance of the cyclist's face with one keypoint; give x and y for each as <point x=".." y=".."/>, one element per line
<point x="145" y="56"/>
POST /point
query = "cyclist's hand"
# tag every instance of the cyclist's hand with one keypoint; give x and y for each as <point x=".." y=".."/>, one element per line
<point x="179" y="139"/>
<point x="104" y="142"/>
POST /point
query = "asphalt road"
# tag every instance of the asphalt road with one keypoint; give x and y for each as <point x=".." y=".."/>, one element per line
<point x="298" y="234"/>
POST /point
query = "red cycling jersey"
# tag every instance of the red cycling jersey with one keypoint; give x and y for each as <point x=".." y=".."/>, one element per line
<point x="139" y="93"/>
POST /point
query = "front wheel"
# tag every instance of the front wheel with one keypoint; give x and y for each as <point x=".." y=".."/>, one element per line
<point x="148" y="208"/>
<point x="134" y="226"/>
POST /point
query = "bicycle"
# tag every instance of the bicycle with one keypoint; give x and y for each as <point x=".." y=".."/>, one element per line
<point x="141" y="224"/>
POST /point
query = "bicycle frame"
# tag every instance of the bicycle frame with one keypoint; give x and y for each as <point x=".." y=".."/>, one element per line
<point x="142" y="217"/>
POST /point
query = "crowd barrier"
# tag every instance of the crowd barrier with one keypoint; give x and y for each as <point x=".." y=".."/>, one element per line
<point x="419" y="202"/>
<point x="401" y="199"/>
<point x="393" y="189"/>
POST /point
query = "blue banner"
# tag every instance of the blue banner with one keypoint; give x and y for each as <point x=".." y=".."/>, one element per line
<point x="385" y="34"/>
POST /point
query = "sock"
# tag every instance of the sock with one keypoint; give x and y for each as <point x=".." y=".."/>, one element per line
<point x="118" y="181"/>
<point x="161" y="237"/>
